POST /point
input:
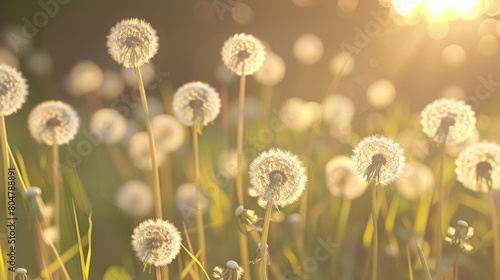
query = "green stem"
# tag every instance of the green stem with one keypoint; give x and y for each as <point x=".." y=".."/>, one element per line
<point x="263" y="240"/>
<point x="496" y="237"/>
<point x="57" y="188"/>
<point x="440" y="206"/>
<point x="6" y="165"/>
<point x="375" y="232"/>
<point x="199" y="212"/>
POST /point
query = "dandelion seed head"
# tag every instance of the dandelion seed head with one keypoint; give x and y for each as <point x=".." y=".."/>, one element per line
<point x="53" y="122"/>
<point x="342" y="179"/>
<point x="135" y="198"/>
<point x="243" y="54"/>
<point x="450" y="119"/>
<point x="13" y="90"/>
<point x="156" y="242"/>
<point x="132" y="42"/>
<point x="272" y="71"/>
<point x="379" y="159"/>
<point x="478" y="167"/>
<point x="416" y="180"/>
<point x="140" y="153"/>
<point x="278" y="177"/>
<point x="108" y="125"/>
<point x="196" y="100"/>
<point x="168" y="132"/>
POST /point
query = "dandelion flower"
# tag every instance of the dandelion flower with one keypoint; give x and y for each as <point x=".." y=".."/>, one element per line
<point x="379" y="159"/>
<point x="13" y="90"/>
<point x="478" y="167"/>
<point x="232" y="271"/>
<point x="243" y="54"/>
<point x="156" y="242"/>
<point x="108" y="125"/>
<point x="168" y="132"/>
<point x="448" y="120"/>
<point x="228" y="163"/>
<point x="416" y="180"/>
<point x="138" y="150"/>
<point x="278" y="177"/>
<point x="196" y="102"/>
<point x="132" y="43"/>
<point x="342" y="179"/>
<point x="185" y="200"/>
<point x="272" y="71"/>
<point x="53" y="121"/>
<point x="135" y="198"/>
<point x="460" y="235"/>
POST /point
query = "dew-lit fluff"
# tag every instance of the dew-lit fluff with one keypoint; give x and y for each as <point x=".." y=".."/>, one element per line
<point x="342" y="179"/>
<point x="196" y="100"/>
<point x="13" y="90"/>
<point x="298" y="115"/>
<point x="168" y="132"/>
<point x="243" y="54"/>
<point x="112" y="85"/>
<point x="278" y="177"/>
<point x="232" y="271"/>
<point x="185" y="200"/>
<point x="416" y="180"/>
<point x="85" y="77"/>
<point x="108" y="125"/>
<point x="139" y="152"/>
<point x="156" y="242"/>
<point x="379" y="159"/>
<point x="53" y="122"/>
<point x="132" y="42"/>
<point x="478" y="167"/>
<point x="228" y="163"/>
<point x="308" y="48"/>
<point x="135" y="198"/>
<point x="272" y="72"/>
<point x="448" y="118"/>
<point x="341" y="64"/>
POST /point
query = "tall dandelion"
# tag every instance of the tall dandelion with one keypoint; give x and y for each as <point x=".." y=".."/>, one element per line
<point x="478" y="169"/>
<point x="54" y="123"/>
<point x="446" y="121"/>
<point x="380" y="161"/>
<point x="278" y="178"/>
<point x="197" y="104"/>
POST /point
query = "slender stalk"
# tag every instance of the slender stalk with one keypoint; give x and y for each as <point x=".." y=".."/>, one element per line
<point x="243" y="244"/>
<point x="263" y="240"/>
<point x="496" y="236"/>
<point x="345" y="209"/>
<point x="266" y="95"/>
<point x="375" y="232"/>
<point x="457" y="263"/>
<point x="158" y="273"/>
<point x="224" y="113"/>
<point x="422" y="260"/>
<point x="166" y="185"/>
<point x="57" y="187"/>
<point x="440" y="205"/>
<point x="152" y="147"/>
<point x="410" y="266"/>
<point x="199" y="213"/>
<point x="6" y="165"/>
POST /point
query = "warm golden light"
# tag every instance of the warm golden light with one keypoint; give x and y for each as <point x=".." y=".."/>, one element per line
<point x="444" y="10"/>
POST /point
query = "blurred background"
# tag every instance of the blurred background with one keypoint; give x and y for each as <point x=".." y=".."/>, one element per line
<point x="389" y="58"/>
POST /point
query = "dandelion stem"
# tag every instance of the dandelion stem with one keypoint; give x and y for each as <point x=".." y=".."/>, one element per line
<point x="345" y="209"/>
<point x="263" y="240"/>
<point x="152" y="148"/>
<point x="457" y="263"/>
<point x="410" y="266"/>
<point x="199" y="213"/>
<point x="440" y="205"/>
<point x="375" y="232"/>
<point x="266" y="95"/>
<point x="6" y="165"/>
<point x="57" y="188"/>
<point x="422" y="260"/>
<point x="496" y="237"/>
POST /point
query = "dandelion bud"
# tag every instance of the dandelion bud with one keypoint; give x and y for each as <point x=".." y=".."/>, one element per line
<point x="232" y="271"/>
<point x="379" y="159"/>
<point x="156" y="242"/>
<point x="478" y="167"/>
<point x="135" y="198"/>
<point x="247" y="220"/>
<point x="21" y="273"/>
<point x="278" y="177"/>
<point x="13" y="90"/>
<point x="196" y="103"/>
<point x="53" y="122"/>
<point x="460" y="235"/>
<point x="132" y="43"/>
<point x="108" y="125"/>
<point x="35" y="205"/>
<point x="243" y="54"/>
<point x="448" y="121"/>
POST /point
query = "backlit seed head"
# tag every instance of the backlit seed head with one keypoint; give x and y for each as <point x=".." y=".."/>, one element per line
<point x="278" y="177"/>
<point x="478" y="167"/>
<point x="342" y="179"/>
<point x="379" y="159"/>
<point x="135" y="198"/>
<point x="232" y="271"/>
<point x="168" y="132"/>
<point x="156" y="242"/>
<point x="108" y="125"/>
<point x="139" y="152"/>
<point x="449" y="121"/>
<point x="53" y="122"/>
<point x="13" y="90"/>
<point x="196" y="102"/>
<point x="243" y="54"/>
<point x="132" y="42"/>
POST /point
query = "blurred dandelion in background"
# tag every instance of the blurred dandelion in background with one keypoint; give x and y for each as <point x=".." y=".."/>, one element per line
<point x="272" y="71"/>
<point x="381" y="94"/>
<point x="478" y="167"/>
<point x="135" y="198"/>
<point x="342" y="179"/>
<point x="416" y="180"/>
<point x="139" y="152"/>
<point x="156" y="242"/>
<point x="308" y="49"/>
<point x="341" y="64"/>
<point x="228" y="163"/>
<point x="108" y="125"/>
<point x="168" y="132"/>
<point x="185" y="201"/>
<point x="112" y="85"/>
<point x="85" y="77"/>
<point x="298" y="115"/>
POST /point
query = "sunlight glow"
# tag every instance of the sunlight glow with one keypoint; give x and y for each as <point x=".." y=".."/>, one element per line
<point x="442" y="10"/>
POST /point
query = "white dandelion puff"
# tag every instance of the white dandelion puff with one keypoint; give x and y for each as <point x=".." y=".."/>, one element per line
<point x="13" y="90"/>
<point x="478" y="167"/>
<point x="243" y="54"/>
